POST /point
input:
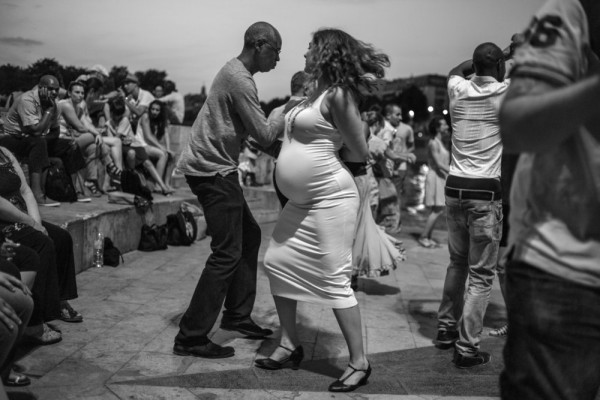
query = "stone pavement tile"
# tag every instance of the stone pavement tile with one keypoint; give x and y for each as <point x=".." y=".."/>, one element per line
<point x="43" y="359"/>
<point x="149" y="364"/>
<point x="135" y="392"/>
<point x="135" y="294"/>
<point x="71" y="393"/>
<point x="106" y="310"/>
<point x="83" y="332"/>
<point x="385" y="319"/>
<point x="383" y="340"/>
<point x="163" y="342"/>
<point x="330" y="344"/>
<point x="85" y="368"/>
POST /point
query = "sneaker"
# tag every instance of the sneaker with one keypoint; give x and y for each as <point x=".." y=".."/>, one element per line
<point x="464" y="362"/>
<point x="68" y="314"/>
<point x="246" y="327"/>
<point x="46" y="202"/>
<point x="500" y="332"/>
<point x="445" y="339"/>
<point x="82" y="199"/>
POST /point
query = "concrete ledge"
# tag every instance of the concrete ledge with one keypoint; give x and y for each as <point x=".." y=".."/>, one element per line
<point x="123" y="223"/>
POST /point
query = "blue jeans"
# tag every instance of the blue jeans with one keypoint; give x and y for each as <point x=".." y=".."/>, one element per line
<point x="230" y="273"/>
<point x="474" y="230"/>
<point x="553" y="345"/>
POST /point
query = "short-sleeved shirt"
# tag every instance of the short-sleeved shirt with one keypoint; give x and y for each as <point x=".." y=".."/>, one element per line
<point x="555" y="207"/>
<point x="387" y="134"/>
<point x="476" y="144"/>
<point x="26" y="111"/>
<point x="229" y="115"/>
<point x="176" y="102"/>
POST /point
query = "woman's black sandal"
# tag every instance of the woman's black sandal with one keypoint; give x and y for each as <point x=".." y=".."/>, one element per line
<point x="295" y="358"/>
<point x="340" y="386"/>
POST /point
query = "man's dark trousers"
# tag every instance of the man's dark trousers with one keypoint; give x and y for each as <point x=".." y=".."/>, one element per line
<point x="230" y="271"/>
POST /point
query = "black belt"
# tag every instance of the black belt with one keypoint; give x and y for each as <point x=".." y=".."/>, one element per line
<point x="470" y="194"/>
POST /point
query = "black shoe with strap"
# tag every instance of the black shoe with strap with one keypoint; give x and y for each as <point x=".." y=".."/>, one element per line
<point x="246" y="327"/>
<point x="446" y="339"/>
<point x="295" y="357"/>
<point x="340" y="386"/>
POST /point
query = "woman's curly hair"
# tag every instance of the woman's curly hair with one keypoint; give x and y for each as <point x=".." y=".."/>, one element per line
<point x="345" y="61"/>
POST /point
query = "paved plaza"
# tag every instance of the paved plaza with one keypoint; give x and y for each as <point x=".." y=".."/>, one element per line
<point x="123" y="348"/>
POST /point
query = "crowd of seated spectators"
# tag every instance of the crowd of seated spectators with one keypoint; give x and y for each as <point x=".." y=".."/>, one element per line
<point x="93" y="135"/>
<point x="74" y="127"/>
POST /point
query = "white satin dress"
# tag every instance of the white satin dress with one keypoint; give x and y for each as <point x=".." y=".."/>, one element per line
<point x="309" y="257"/>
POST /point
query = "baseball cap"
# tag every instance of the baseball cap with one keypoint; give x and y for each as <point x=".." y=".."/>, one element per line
<point x="131" y="78"/>
<point x="99" y="69"/>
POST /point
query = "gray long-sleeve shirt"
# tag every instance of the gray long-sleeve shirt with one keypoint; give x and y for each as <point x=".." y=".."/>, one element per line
<point x="231" y="113"/>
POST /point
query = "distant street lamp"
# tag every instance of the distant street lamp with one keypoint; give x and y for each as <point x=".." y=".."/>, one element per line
<point x="430" y="108"/>
<point x="445" y="112"/>
<point x="411" y="113"/>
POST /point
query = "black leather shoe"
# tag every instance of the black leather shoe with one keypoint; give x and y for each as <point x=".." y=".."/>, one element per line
<point x="246" y="327"/>
<point x="208" y="350"/>
<point x="295" y="358"/>
<point x="471" y="361"/>
<point x="446" y="339"/>
<point x="340" y="386"/>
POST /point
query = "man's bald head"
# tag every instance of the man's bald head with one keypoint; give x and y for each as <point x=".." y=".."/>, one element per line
<point x="261" y="32"/>
<point x="49" y="81"/>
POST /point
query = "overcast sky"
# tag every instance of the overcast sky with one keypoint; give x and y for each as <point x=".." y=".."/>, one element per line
<point x="192" y="39"/>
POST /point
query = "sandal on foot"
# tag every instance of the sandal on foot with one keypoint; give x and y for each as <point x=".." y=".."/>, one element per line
<point x="16" y="379"/>
<point x="340" y="385"/>
<point x="47" y="337"/>
<point x="92" y="186"/>
<point x="114" y="172"/>
<point x="68" y="314"/>
<point x="425" y="242"/>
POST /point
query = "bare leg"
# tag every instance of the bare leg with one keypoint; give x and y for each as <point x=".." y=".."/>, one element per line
<point x="130" y="158"/>
<point x="351" y="326"/>
<point x="28" y="278"/>
<point x="436" y="211"/>
<point x="169" y="173"/>
<point x="116" y="151"/>
<point x="154" y="174"/>
<point x="286" y="310"/>
<point x="158" y="156"/>
<point x="36" y="185"/>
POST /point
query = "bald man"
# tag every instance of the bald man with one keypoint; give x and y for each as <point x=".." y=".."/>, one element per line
<point x="32" y="127"/>
<point x="230" y="114"/>
<point x="473" y="200"/>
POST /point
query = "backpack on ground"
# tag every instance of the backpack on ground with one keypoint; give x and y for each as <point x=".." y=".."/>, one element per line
<point x="112" y="255"/>
<point x="153" y="237"/>
<point x="59" y="186"/>
<point x="182" y="228"/>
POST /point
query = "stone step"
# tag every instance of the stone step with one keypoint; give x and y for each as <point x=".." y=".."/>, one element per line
<point x="123" y="223"/>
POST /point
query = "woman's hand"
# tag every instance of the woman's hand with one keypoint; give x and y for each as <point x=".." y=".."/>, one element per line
<point x="7" y="249"/>
<point x="98" y="139"/>
<point x="39" y="227"/>
<point x="8" y="316"/>
<point x="11" y="283"/>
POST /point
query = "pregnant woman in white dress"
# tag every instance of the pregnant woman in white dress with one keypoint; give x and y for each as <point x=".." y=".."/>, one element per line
<point x="310" y="254"/>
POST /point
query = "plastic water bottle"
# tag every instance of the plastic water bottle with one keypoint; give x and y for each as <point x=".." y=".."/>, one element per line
<point x="98" y="260"/>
